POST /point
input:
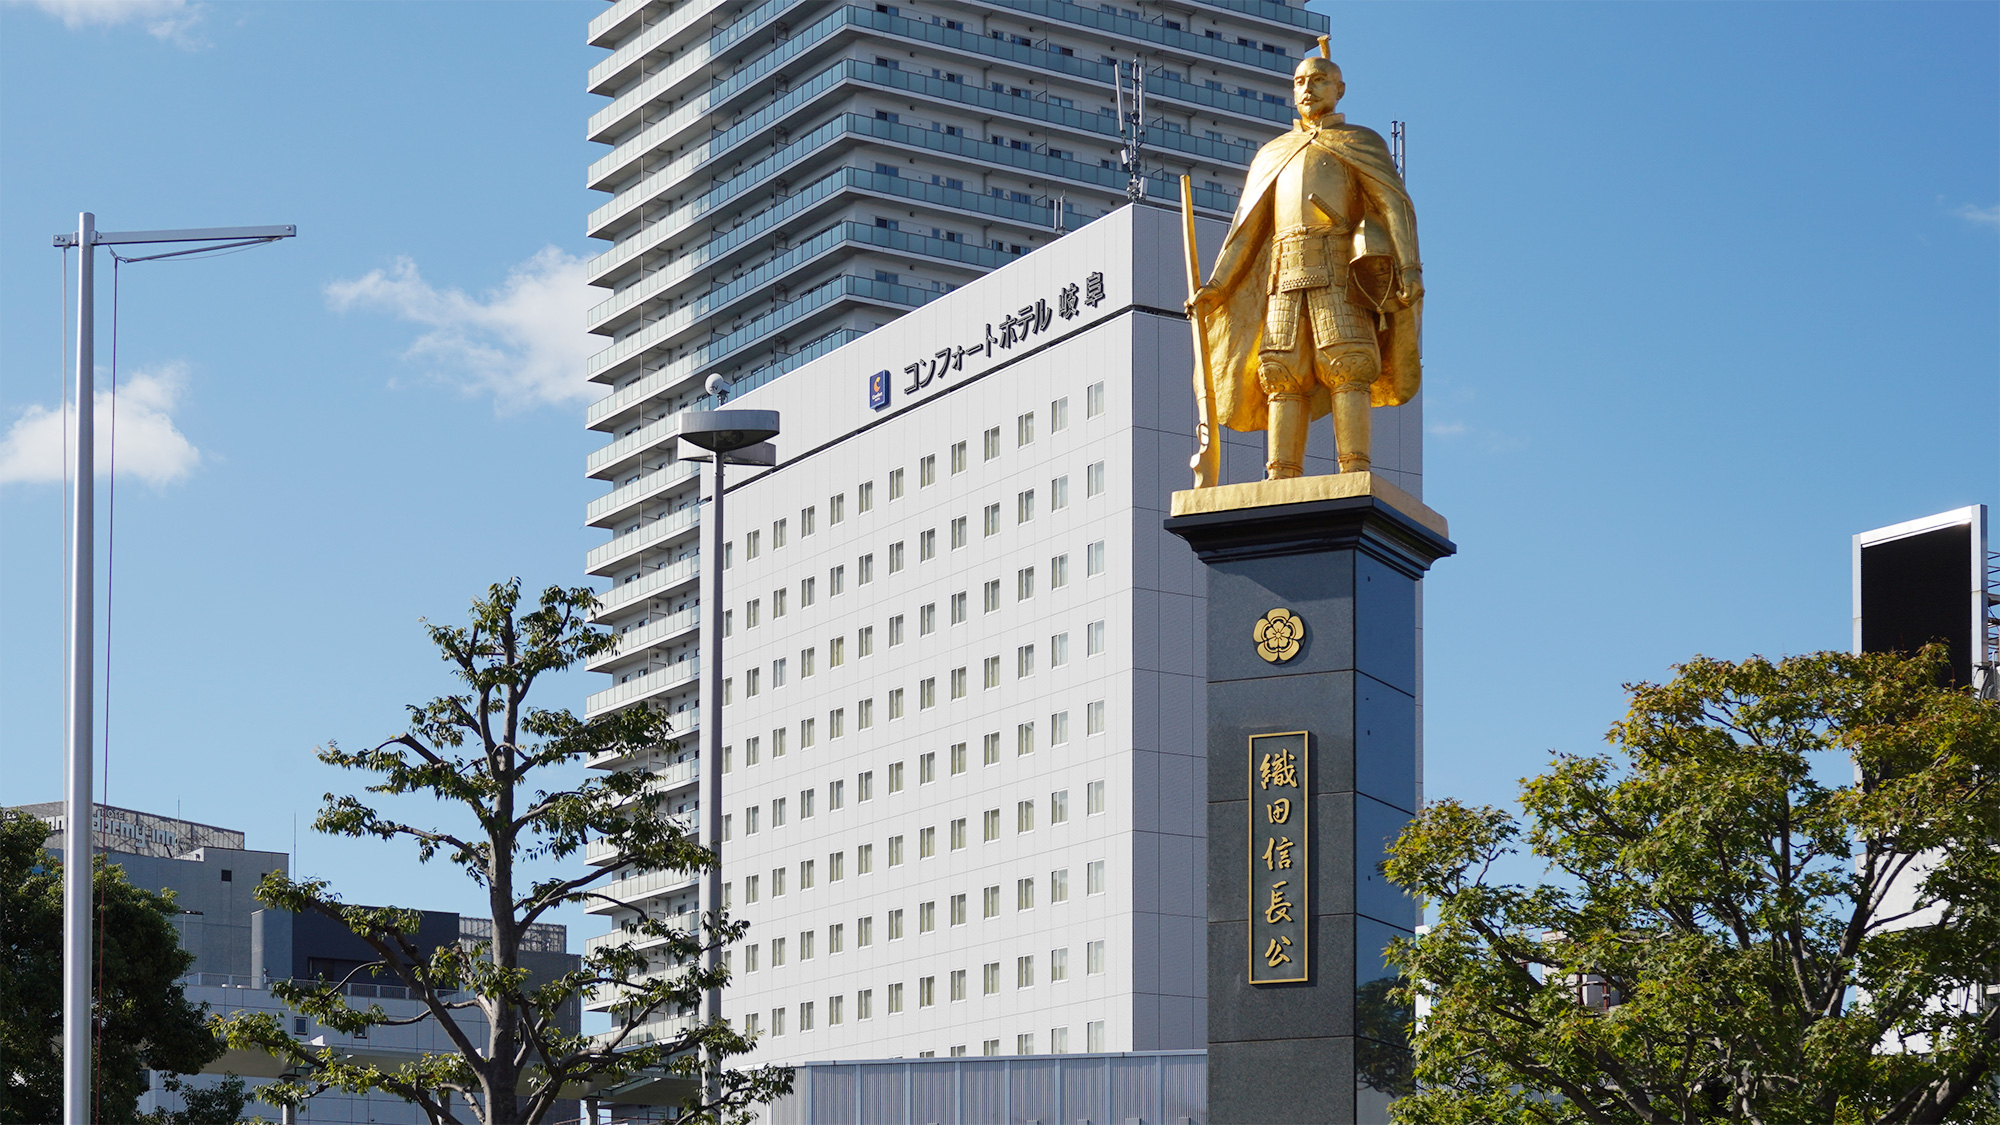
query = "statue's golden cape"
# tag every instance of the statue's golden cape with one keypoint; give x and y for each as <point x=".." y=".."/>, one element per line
<point x="1232" y="332"/>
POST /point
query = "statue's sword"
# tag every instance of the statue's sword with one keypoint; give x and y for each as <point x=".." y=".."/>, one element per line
<point x="1207" y="459"/>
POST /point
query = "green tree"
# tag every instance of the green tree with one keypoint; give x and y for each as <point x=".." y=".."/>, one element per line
<point x="143" y="1019"/>
<point x="488" y="753"/>
<point x="1738" y="908"/>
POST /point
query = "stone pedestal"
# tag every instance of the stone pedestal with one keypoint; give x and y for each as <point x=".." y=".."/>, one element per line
<point x="1312" y="750"/>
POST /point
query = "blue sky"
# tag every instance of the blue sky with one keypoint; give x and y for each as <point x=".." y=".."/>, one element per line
<point x="1712" y="287"/>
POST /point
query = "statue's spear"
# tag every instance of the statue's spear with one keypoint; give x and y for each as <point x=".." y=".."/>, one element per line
<point x="1207" y="459"/>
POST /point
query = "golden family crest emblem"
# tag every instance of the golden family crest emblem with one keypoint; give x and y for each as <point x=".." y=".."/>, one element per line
<point x="1278" y="635"/>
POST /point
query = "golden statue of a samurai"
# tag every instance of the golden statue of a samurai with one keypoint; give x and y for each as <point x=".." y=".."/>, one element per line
<point x="1315" y="304"/>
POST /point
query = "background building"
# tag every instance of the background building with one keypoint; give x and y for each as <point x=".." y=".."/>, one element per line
<point x="787" y="177"/>
<point x="240" y="947"/>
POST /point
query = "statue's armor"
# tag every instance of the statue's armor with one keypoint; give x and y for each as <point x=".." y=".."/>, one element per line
<point x="1309" y="258"/>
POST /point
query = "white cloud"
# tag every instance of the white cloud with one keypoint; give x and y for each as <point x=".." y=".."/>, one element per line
<point x="148" y="444"/>
<point x="173" y="21"/>
<point x="523" y="343"/>
<point x="1979" y="216"/>
<point x="1448" y="429"/>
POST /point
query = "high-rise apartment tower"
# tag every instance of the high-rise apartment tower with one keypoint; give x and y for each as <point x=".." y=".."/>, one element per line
<point x="785" y="177"/>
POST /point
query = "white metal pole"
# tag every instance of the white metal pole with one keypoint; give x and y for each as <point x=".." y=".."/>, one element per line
<point x="77" y="811"/>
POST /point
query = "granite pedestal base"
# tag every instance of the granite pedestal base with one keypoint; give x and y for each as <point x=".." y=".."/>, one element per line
<point x="1327" y="1045"/>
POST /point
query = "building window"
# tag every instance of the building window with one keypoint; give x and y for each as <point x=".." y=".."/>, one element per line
<point x="1024" y="429"/>
<point x="958" y="683"/>
<point x="1024" y="739"/>
<point x="1093" y="405"/>
<point x="990" y="822"/>
<point x="1024" y="895"/>
<point x="1024" y="662"/>
<point x="1059" y="493"/>
<point x="896" y="998"/>
<point x="927" y="619"/>
<point x="992" y="519"/>
<point x="864" y="641"/>
<point x="728" y="622"/>
<point x="895" y="704"/>
<point x="990" y="601"/>
<point x="1093" y="799"/>
<point x="836" y="652"/>
<point x="836" y="939"/>
<point x="864" y="497"/>
<point x="864" y="786"/>
<point x="806" y="521"/>
<point x="778" y="818"/>
<point x="806" y="1016"/>
<point x="805" y="884"/>
<point x="958" y="608"/>
<point x="957" y="988"/>
<point x="958" y="754"/>
<point x="1058" y="965"/>
<point x="808" y="591"/>
<point x="958" y="458"/>
<point x="1059" y="650"/>
<point x="750" y="541"/>
<point x="926" y="694"/>
<point x="1059" y="728"/>
<point x="1094" y="958"/>
<point x="926" y="843"/>
<point x="836" y="508"/>
<point x="1094" y="479"/>
<point x="992" y="438"/>
<point x="895" y="630"/>
<point x="836" y="722"/>
<point x="991" y="755"/>
<point x="991" y="1046"/>
<point x="926" y="992"/>
<point x="895" y="558"/>
<point x="834" y="1015"/>
<point x="1024" y="584"/>
<point x="806" y="732"/>
<point x="751" y="610"/>
<point x="751" y="749"/>
<point x="1059" y="807"/>
<point x="990" y="975"/>
<point x="1094" y="559"/>
<point x="958" y="907"/>
<point x="836" y="794"/>
<point x="1024" y="816"/>
<point x="927" y="768"/>
<point x="777" y="680"/>
<point x="1059" y="415"/>
<point x="836" y="581"/>
<point x="927" y="471"/>
<point x="777" y="952"/>
<point x="866" y="571"/>
<point x="896" y="922"/>
<point x="777" y="534"/>
<point x="807" y="658"/>
<point x="1024" y="977"/>
<point x="864" y="1005"/>
<point x="1093" y="1037"/>
<point x="1094" y="718"/>
<point x="1059" y="885"/>
<point x="927" y="545"/>
<point x="895" y="484"/>
<point x="750" y="885"/>
<point x="992" y="672"/>
<point x="836" y="870"/>
<point x="1094" y="878"/>
<point x="1094" y="638"/>
<point x="958" y="533"/>
<point x="864" y="932"/>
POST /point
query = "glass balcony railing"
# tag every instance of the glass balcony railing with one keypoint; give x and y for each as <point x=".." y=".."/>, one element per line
<point x="641" y="685"/>
<point x="647" y="585"/>
<point x="647" y="535"/>
<point x="648" y="485"/>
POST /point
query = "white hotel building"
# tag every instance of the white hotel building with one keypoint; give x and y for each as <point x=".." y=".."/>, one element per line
<point x="790" y="177"/>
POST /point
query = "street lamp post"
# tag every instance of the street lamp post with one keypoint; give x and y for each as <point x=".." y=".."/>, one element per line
<point x="78" y="812"/>
<point x="731" y="437"/>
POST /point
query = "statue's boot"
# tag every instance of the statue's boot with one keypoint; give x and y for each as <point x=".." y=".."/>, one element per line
<point x="1352" y="430"/>
<point x="1286" y="436"/>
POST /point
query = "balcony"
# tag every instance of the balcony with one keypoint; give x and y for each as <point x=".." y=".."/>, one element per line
<point x="607" y="557"/>
<point x="686" y="724"/>
<point x="643" y="686"/>
<point x="621" y="503"/>
<point x="635" y="889"/>
<point x="615" y="458"/>
<point x="655" y="583"/>
<point x="663" y="630"/>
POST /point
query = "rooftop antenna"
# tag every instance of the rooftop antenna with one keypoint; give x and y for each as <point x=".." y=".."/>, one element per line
<point x="1057" y="205"/>
<point x="1397" y="136"/>
<point x="1132" y="127"/>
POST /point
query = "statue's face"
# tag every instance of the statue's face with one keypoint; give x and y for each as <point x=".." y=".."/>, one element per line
<point x="1316" y="90"/>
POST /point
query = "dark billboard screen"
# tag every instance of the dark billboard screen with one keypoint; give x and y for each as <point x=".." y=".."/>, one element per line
<point x="1917" y="589"/>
